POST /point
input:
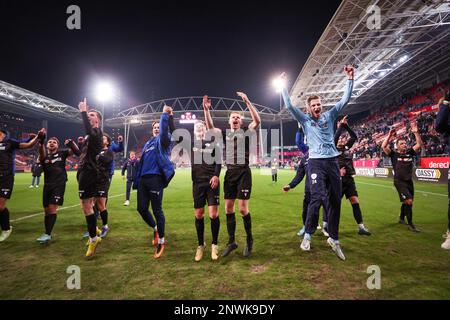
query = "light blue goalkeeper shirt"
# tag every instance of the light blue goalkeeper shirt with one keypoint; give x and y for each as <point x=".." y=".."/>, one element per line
<point x="320" y="132"/>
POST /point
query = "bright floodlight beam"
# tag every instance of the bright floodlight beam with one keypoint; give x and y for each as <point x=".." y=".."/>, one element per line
<point x="104" y="91"/>
<point x="279" y="84"/>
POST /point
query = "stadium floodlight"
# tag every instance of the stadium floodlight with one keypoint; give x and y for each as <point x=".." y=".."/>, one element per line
<point x="279" y="84"/>
<point x="104" y="91"/>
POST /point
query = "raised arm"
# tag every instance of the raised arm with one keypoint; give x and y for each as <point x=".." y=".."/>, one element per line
<point x="338" y="132"/>
<point x="206" y="108"/>
<point x="349" y="71"/>
<point x="256" y="120"/>
<point x="83" y="107"/>
<point x="73" y="148"/>
<point x="415" y="131"/>
<point x="42" y="153"/>
<point x="117" y="146"/>
<point x="385" y="146"/>
<point x="40" y="136"/>
<point x="295" y="112"/>
<point x="343" y="125"/>
<point x="164" y="127"/>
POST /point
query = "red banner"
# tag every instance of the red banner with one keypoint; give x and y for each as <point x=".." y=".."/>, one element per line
<point x="424" y="110"/>
<point x="365" y="163"/>
<point x="435" y="163"/>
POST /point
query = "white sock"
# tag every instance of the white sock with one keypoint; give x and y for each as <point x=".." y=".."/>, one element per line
<point x="94" y="239"/>
<point x="325" y="224"/>
<point x="161" y="240"/>
<point x="361" y="226"/>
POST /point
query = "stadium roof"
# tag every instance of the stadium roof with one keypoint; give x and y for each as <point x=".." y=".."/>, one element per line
<point x="412" y="43"/>
<point x="18" y="100"/>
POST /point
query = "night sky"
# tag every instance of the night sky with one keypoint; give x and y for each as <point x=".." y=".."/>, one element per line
<point x="159" y="49"/>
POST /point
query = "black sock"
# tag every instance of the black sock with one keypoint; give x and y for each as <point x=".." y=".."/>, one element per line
<point x="357" y="213"/>
<point x="215" y="227"/>
<point x="147" y="217"/>
<point x="104" y="216"/>
<point x="49" y="222"/>
<point x="4" y="219"/>
<point x="200" y="227"/>
<point x="231" y="226"/>
<point x="408" y="213"/>
<point x="96" y="211"/>
<point x="402" y="212"/>
<point x="248" y="226"/>
<point x="91" y="221"/>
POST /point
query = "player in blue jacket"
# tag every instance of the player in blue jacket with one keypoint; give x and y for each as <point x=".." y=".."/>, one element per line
<point x="154" y="174"/>
<point x="323" y="164"/>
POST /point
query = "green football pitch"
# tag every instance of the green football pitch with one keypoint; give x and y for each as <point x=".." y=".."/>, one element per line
<point x="413" y="266"/>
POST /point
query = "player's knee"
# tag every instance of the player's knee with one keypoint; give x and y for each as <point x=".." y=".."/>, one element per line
<point x="408" y="202"/>
<point x="243" y="210"/>
<point x="199" y="214"/>
<point x="229" y="207"/>
<point x="354" y="200"/>
<point x="213" y="212"/>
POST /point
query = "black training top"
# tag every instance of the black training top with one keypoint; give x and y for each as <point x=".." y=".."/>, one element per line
<point x="92" y="146"/>
<point x="7" y="156"/>
<point x="54" y="166"/>
<point x="104" y="159"/>
<point x="203" y="159"/>
<point x="237" y="146"/>
<point x="403" y="164"/>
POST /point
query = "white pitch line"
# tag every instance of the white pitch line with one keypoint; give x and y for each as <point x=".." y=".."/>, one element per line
<point x="392" y="187"/>
<point x="60" y="209"/>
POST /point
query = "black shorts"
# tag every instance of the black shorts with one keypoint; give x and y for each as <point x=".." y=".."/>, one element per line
<point x="6" y="186"/>
<point x="238" y="183"/>
<point x="53" y="194"/>
<point x="405" y="189"/>
<point x="101" y="191"/>
<point x="87" y="184"/>
<point x="202" y="193"/>
<point x="349" y="187"/>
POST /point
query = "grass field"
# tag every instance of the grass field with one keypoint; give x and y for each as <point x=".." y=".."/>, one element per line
<point x="413" y="266"/>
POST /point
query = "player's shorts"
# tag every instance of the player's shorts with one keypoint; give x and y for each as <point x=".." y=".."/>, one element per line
<point x="6" y="186"/>
<point x="405" y="189"/>
<point x="53" y="194"/>
<point x="203" y="193"/>
<point x="87" y="184"/>
<point x="102" y="188"/>
<point x="349" y="187"/>
<point x="238" y="183"/>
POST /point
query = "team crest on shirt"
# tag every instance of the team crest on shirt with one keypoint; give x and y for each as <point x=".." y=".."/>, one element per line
<point x="314" y="178"/>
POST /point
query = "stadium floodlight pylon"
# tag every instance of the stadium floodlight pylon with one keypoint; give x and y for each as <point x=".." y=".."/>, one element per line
<point x="413" y="40"/>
